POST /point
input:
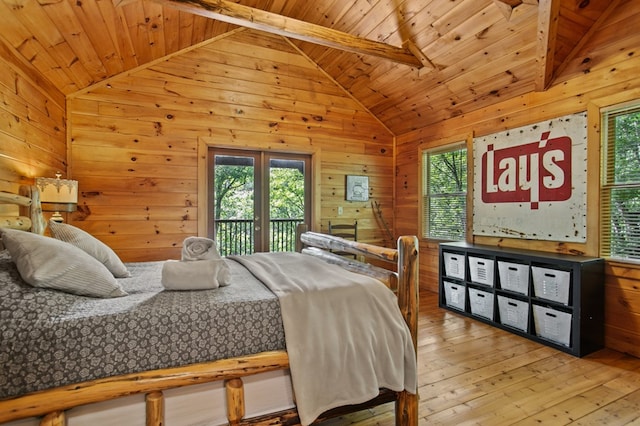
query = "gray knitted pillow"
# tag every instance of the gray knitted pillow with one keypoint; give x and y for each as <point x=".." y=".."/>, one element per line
<point x="49" y="263"/>
<point x="91" y="245"/>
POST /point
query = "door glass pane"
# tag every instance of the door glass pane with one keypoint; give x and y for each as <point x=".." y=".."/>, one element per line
<point x="234" y="185"/>
<point x="286" y="202"/>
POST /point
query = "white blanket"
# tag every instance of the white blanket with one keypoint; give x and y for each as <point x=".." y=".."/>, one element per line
<point x="200" y="267"/>
<point x="197" y="275"/>
<point x="199" y="248"/>
<point x="345" y="335"/>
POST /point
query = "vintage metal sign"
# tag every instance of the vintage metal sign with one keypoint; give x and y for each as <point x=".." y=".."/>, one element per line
<point x="530" y="182"/>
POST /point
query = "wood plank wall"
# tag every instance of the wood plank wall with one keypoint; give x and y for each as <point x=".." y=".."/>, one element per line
<point x="134" y="139"/>
<point x="609" y="77"/>
<point x="32" y="127"/>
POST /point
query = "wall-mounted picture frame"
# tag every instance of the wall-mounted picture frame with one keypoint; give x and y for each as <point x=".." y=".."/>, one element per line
<point x="357" y="188"/>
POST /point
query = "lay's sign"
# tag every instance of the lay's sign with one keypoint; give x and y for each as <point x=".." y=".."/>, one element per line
<point x="531" y="182"/>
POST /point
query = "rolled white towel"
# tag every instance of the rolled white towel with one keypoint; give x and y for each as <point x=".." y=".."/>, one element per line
<point x="202" y="275"/>
<point x="199" y="248"/>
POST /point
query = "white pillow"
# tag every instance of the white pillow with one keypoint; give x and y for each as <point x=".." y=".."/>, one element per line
<point x="91" y="245"/>
<point x="49" y="263"/>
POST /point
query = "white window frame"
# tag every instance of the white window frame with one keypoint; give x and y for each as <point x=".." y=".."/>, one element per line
<point x="425" y="153"/>
<point x="608" y="185"/>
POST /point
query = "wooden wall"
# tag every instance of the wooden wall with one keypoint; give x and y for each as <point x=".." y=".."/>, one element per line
<point x="134" y="139"/>
<point x="609" y="76"/>
<point x="32" y="127"/>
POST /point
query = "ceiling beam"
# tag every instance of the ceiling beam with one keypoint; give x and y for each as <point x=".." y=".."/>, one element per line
<point x="508" y="7"/>
<point x="613" y="5"/>
<point x="27" y="70"/>
<point x="548" y="14"/>
<point x="505" y="8"/>
<point x="234" y="13"/>
<point x="413" y="48"/>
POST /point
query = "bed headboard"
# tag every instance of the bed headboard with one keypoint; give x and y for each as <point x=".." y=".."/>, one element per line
<point x="29" y="212"/>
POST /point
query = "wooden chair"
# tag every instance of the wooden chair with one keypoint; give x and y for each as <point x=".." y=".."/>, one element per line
<point x="348" y="231"/>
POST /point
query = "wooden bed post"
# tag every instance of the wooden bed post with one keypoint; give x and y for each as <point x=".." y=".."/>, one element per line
<point x="300" y="229"/>
<point x="408" y="288"/>
<point x="155" y="408"/>
<point x="57" y="418"/>
<point x="33" y="209"/>
<point x="235" y="400"/>
<point x="408" y="284"/>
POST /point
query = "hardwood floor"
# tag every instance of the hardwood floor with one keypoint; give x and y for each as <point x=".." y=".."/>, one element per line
<point x="472" y="373"/>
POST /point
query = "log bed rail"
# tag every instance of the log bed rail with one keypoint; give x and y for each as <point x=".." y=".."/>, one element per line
<point x="51" y="404"/>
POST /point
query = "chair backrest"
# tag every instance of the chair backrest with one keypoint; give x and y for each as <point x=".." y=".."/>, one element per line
<point x="348" y="231"/>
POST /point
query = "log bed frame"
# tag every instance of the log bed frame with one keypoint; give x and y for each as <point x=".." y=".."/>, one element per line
<point x="51" y="404"/>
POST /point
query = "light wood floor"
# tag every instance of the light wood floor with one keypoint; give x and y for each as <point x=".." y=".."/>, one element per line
<point x="472" y="373"/>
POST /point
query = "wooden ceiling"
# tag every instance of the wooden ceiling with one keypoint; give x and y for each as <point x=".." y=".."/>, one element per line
<point x="410" y="62"/>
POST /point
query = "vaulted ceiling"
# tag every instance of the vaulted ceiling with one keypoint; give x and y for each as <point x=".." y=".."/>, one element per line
<point x="410" y="62"/>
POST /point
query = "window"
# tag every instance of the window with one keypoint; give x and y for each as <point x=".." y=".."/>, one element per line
<point x="444" y="197"/>
<point x="620" y="186"/>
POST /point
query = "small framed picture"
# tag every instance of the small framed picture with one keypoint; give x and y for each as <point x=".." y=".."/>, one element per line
<point x="357" y="188"/>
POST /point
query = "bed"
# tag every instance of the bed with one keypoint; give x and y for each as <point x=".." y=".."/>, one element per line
<point x="249" y="382"/>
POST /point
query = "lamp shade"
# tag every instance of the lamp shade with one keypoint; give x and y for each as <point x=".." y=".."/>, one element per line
<point x="58" y="194"/>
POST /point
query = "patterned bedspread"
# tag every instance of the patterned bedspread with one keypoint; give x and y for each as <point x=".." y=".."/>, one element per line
<point x="49" y="338"/>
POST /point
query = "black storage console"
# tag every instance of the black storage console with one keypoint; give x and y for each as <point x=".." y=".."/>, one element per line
<point x="554" y="299"/>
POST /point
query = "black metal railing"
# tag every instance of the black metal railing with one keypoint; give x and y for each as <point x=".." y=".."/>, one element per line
<point x="235" y="236"/>
<point x="282" y="234"/>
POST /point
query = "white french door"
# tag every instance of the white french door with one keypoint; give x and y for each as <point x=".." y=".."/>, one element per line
<point x="257" y="198"/>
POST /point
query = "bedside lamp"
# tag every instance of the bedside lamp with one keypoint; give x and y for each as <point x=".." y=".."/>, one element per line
<point x="57" y="195"/>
